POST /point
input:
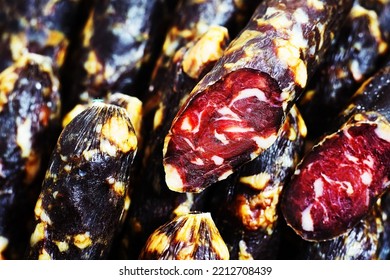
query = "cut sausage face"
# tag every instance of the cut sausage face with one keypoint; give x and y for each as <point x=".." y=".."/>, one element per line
<point x="337" y="183"/>
<point x="221" y="128"/>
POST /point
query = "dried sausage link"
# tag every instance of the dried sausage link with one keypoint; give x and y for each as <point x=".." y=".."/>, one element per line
<point x="355" y="55"/>
<point x="29" y="117"/>
<point x="131" y="104"/>
<point x="117" y="43"/>
<point x="152" y="202"/>
<point x="234" y="113"/>
<point x="340" y="179"/>
<point x="196" y="57"/>
<point x="248" y="216"/>
<point x="133" y="107"/>
<point x="373" y="95"/>
<point x="193" y="236"/>
<point x="191" y="20"/>
<point x="43" y="27"/>
<point x="84" y="194"/>
<point x="365" y="241"/>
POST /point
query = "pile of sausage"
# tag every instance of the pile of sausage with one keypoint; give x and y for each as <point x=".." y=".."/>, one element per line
<point x="197" y="130"/>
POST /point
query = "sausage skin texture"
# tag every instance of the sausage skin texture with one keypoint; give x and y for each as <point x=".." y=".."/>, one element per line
<point x="234" y="113"/>
<point x="248" y="215"/>
<point x="192" y="19"/>
<point x="117" y="43"/>
<point x="192" y="236"/>
<point x="43" y="27"/>
<point x="340" y="179"/>
<point x="84" y="194"/>
<point x="355" y="55"/>
<point x="365" y="241"/>
<point x="152" y="202"/>
<point x="29" y="117"/>
<point x="131" y="104"/>
<point x="385" y="203"/>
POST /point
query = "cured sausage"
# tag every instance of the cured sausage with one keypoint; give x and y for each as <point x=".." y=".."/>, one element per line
<point x="248" y="215"/>
<point x="193" y="236"/>
<point x="29" y="116"/>
<point x="344" y="174"/>
<point x="235" y="112"/>
<point x="152" y="202"/>
<point x="356" y="54"/>
<point x="117" y="43"/>
<point x="84" y="194"/>
<point x="365" y="241"/>
<point x="43" y="27"/>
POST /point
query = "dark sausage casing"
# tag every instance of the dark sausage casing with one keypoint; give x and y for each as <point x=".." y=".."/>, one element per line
<point x="248" y="216"/>
<point x="44" y="27"/>
<point x="235" y="112"/>
<point x="192" y="236"/>
<point x="340" y="179"/>
<point x="117" y="43"/>
<point x="355" y="55"/>
<point x="84" y="194"/>
<point x="29" y="116"/>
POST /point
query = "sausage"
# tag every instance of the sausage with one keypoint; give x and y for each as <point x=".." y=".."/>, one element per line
<point x="248" y="215"/>
<point x="385" y="203"/>
<point x="192" y="236"/>
<point x="234" y="113"/>
<point x="84" y="194"/>
<point x="191" y="20"/>
<point x="365" y="241"/>
<point x="152" y="202"/>
<point x="30" y="117"/>
<point x="117" y="43"/>
<point x="42" y="27"/>
<point x="355" y="55"/>
<point x="323" y="201"/>
<point x="187" y="66"/>
<point x="371" y="96"/>
<point x="340" y="179"/>
<point x="133" y="107"/>
<point x="131" y="104"/>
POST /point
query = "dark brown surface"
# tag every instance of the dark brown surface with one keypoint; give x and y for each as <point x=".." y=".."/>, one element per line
<point x="357" y="52"/>
<point x="344" y="174"/>
<point x="29" y="117"/>
<point x="245" y="206"/>
<point x="284" y="41"/>
<point x="365" y="241"/>
<point x="115" y="50"/>
<point x="43" y="27"/>
<point x="83" y="197"/>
